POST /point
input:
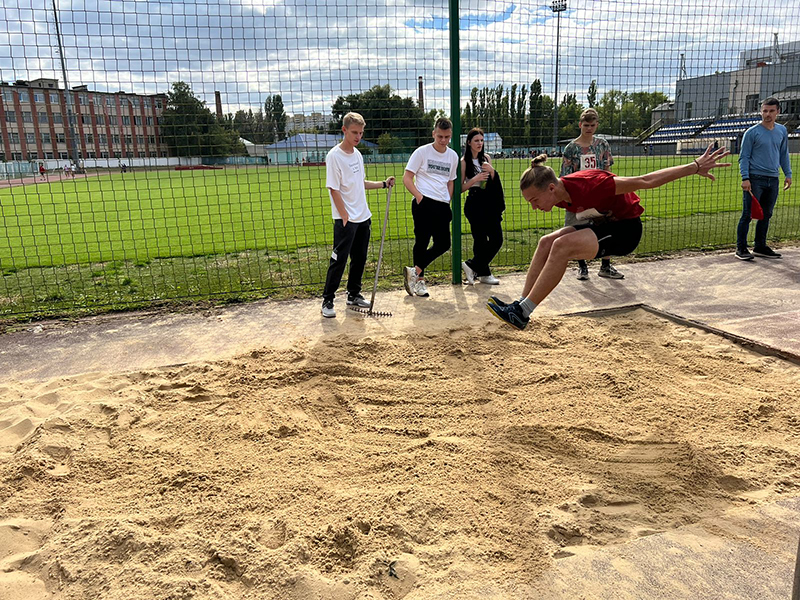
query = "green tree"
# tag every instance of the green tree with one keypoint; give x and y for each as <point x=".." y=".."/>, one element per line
<point x="189" y="128"/>
<point x="569" y="112"/>
<point x="385" y="112"/>
<point x="274" y="119"/>
<point x="388" y="144"/>
<point x="591" y="95"/>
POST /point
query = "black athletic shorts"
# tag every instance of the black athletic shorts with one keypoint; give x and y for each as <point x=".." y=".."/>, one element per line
<point x="615" y="238"/>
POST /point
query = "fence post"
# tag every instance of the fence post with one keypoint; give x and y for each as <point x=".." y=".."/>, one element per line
<point x="455" y="143"/>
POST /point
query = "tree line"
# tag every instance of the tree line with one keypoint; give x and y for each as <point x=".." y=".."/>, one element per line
<point x="521" y="114"/>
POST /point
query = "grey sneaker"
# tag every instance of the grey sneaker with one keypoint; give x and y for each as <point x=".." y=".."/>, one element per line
<point x="583" y="273"/>
<point x="610" y="272"/>
<point x="327" y="309"/>
<point x="420" y="289"/>
<point x="489" y="280"/>
<point x="744" y="254"/>
<point x="409" y="279"/>
<point x="357" y="300"/>
<point x="766" y="252"/>
<point x="468" y="273"/>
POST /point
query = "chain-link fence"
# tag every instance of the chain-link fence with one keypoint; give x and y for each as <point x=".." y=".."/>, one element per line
<point x="158" y="151"/>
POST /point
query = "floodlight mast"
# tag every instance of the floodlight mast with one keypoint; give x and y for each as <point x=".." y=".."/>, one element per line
<point x="558" y="6"/>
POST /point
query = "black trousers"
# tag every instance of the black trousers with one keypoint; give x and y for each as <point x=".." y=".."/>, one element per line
<point x="348" y="241"/>
<point x="487" y="233"/>
<point x="431" y="221"/>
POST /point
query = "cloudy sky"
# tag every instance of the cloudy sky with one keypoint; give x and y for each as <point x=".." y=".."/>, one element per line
<point x="311" y="51"/>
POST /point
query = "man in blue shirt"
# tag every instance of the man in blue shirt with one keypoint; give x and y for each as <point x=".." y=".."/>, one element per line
<point x="765" y="147"/>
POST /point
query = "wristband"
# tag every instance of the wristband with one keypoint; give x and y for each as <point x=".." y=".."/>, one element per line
<point x="384" y="184"/>
<point x="698" y="166"/>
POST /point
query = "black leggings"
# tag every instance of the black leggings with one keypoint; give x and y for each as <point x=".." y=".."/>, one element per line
<point x="431" y="220"/>
<point x="487" y="234"/>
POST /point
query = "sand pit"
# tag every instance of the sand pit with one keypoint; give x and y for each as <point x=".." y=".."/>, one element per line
<point x="459" y="463"/>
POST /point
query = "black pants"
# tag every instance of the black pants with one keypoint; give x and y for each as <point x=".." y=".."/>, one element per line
<point x="431" y="220"/>
<point x="351" y="241"/>
<point x="487" y="234"/>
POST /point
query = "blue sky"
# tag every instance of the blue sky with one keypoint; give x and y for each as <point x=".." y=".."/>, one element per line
<point x="310" y="52"/>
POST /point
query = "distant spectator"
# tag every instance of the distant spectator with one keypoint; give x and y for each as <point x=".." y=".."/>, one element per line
<point x="588" y="152"/>
<point x="765" y="149"/>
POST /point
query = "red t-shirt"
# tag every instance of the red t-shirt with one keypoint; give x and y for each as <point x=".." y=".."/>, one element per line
<point x="595" y="189"/>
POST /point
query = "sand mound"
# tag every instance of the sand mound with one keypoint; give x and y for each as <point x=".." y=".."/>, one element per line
<point x="457" y="463"/>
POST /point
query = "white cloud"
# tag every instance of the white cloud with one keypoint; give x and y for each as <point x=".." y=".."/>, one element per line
<point x="311" y="52"/>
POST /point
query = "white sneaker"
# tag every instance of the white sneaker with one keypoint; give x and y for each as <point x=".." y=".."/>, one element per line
<point x="410" y="279"/>
<point x="420" y="289"/>
<point x="489" y="280"/>
<point x="327" y="309"/>
<point x="469" y="273"/>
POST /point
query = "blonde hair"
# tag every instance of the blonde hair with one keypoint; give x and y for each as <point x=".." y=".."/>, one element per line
<point x="538" y="175"/>
<point x="353" y="118"/>
<point x="589" y="116"/>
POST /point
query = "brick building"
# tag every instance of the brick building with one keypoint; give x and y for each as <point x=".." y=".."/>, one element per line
<point x="34" y="123"/>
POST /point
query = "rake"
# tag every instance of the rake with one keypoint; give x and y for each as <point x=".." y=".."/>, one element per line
<point x="369" y="312"/>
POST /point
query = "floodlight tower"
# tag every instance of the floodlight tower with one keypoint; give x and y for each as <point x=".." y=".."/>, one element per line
<point x="72" y="142"/>
<point x="558" y="6"/>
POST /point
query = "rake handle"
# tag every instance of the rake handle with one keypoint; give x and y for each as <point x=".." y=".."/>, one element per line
<point x="380" y="251"/>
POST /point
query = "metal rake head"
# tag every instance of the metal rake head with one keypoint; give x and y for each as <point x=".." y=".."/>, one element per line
<point x="368" y="312"/>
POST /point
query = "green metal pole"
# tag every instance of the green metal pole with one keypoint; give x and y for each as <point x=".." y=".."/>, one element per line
<point x="455" y="143"/>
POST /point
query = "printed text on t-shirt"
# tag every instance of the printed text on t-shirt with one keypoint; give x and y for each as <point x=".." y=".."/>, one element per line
<point x="438" y="166"/>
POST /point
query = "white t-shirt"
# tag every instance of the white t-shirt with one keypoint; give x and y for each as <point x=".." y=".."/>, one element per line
<point x="345" y="174"/>
<point x="432" y="171"/>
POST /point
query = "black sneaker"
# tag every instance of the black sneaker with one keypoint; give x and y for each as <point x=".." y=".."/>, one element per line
<point x="511" y="314"/>
<point x="497" y="302"/>
<point x="357" y="300"/>
<point x="766" y="252"/>
<point x="583" y="273"/>
<point x="744" y="254"/>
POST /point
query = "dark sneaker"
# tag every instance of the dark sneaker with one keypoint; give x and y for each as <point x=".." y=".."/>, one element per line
<point x="609" y="272"/>
<point x="511" y="314"/>
<point x="583" y="273"/>
<point x="744" y="254"/>
<point x="497" y="302"/>
<point x="357" y="300"/>
<point x="327" y="309"/>
<point x="766" y="252"/>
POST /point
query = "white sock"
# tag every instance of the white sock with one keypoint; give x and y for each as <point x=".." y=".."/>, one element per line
<point x="527" y="307"/>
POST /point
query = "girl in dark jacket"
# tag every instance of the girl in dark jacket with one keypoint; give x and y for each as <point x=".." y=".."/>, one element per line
<point x="483" y="208"/>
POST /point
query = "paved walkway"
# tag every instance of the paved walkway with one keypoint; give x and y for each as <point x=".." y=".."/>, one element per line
<point x="759" y="300"/>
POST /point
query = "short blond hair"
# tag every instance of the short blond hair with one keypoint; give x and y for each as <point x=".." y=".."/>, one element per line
<point x="589" y="116"/>
<point x="353" y="118"/>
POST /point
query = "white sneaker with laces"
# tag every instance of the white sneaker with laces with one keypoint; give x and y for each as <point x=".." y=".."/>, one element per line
<point x="468" y="273"/>
<point x="327" y="309"/>
<point x="489" y="280"/>
<point x="420" y="289"/>
<point x="409" y="279"/>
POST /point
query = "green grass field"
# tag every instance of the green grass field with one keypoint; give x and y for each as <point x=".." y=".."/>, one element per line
<point x="184" y="234"/>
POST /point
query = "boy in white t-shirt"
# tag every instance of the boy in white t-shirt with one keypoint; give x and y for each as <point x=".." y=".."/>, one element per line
<point x="429" y="177"/>
<point x="346" y="182"/>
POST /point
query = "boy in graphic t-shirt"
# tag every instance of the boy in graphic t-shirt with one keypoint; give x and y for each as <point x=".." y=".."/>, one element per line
<point x="429" y="177"/>
<point x="346" y="182"/>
